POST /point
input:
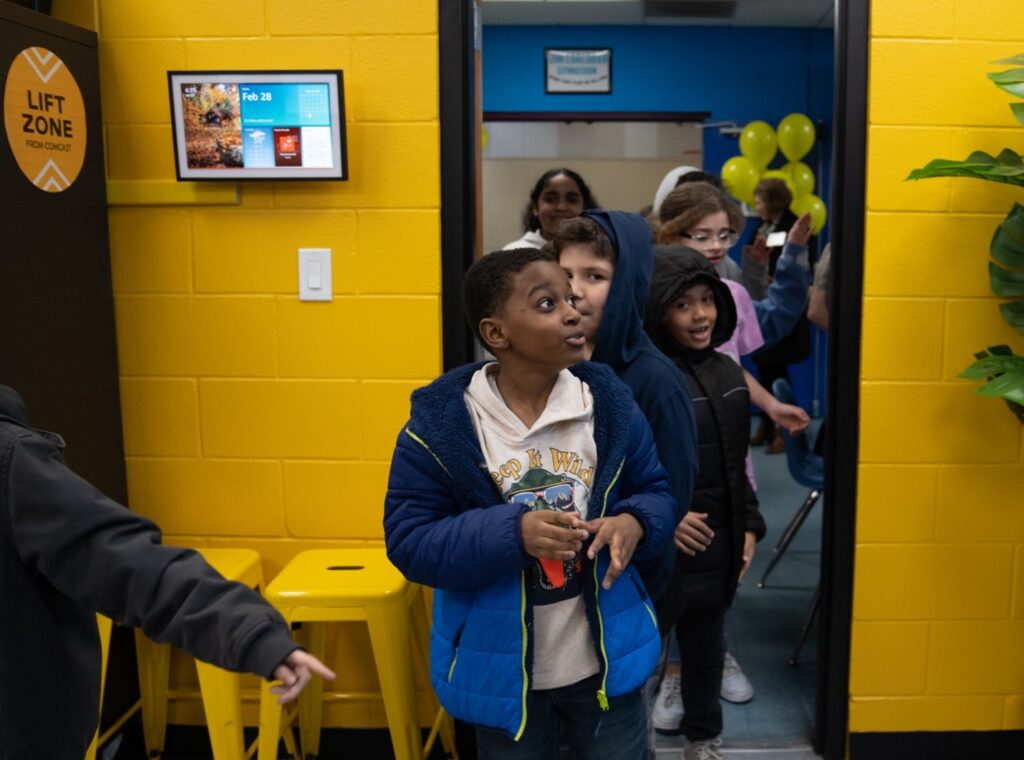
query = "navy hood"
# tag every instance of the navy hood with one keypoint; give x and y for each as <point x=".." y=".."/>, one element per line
<point x="677" y="268"/>
<point x="621" y="338"/>
<point x="11" y="406"/>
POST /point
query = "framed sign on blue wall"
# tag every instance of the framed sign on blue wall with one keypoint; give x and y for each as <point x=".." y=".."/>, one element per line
<point x="570" y="71"/>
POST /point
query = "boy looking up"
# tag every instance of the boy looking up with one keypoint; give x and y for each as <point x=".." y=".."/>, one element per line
<point x="608" y="257"/>
<point x="690" y="312"/>
<point x="502" y="475"/>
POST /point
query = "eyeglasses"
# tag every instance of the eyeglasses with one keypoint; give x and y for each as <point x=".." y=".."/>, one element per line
<point x="558" y="496"/>
<point x="725" y="237"/>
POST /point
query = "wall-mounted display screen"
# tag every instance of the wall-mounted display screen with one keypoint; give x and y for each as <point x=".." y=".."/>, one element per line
<point x="258" y="124"/>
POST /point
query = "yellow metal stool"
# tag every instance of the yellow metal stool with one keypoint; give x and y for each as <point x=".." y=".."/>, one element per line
<point x="220" y="689"/>
<point x="338" y="585"/>
<point x="104" y="625"/>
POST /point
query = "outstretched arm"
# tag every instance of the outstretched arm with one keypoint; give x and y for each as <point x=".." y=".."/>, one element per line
<point x="792" y="418"/>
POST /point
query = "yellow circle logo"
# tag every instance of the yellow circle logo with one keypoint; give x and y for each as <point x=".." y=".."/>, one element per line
<point x="44" y="116"/>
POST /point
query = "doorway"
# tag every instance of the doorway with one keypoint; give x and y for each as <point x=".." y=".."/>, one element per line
<point x="461" y="107"/>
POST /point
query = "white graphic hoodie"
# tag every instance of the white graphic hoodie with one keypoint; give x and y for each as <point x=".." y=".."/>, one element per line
<point x="548" y="466"/>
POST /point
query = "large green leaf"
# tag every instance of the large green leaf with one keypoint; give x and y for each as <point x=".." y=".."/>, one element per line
<point x="1013" y="312"/>
<point x="1016" y="60"/>
<point x="1010" y="76"/>
<point x="1004" y="372"/>
<point x="1018" y="111"/>
<point x="1005" y="282"/>
<point x="1007" y="167"/>
<point x="1016" y="88"/>
<point x="1007" y="246"/>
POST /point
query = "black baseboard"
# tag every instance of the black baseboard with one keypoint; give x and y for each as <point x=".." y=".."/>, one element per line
<point x="937" y="745"/>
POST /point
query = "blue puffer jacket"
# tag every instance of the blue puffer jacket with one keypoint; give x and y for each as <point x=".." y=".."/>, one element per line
<point x="447" y="527"/>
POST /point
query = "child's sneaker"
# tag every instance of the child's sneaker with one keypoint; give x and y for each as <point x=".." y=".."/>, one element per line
<point x="706" y="750"/>
<point x="736" y="687"/>
<point x="668" y="706"/>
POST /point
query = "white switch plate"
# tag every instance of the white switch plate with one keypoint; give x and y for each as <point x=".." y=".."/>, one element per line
<point x="315" y="282"/>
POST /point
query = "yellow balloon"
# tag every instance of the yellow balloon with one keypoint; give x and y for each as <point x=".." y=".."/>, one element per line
<point x="485" y="137"/>
<point x="740" y="175"/>
<point x="796" y="136"/>
<point x="784" y="176"/>
<point x="758" y="143"/>
<point x="813" y="205"/>
<point x="802" y="176"/>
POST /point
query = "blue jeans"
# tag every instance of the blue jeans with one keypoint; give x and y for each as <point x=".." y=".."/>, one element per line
<point x="572" y="712"/>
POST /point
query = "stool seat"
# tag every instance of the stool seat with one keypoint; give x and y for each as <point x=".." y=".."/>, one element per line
<point x="330" y="585"/>
<point x="242" y="565"/>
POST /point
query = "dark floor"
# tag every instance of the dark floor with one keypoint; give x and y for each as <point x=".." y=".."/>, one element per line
<point x="763" y="626"/>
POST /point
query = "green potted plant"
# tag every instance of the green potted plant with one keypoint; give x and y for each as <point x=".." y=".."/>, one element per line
<point x="1002" y="370"/>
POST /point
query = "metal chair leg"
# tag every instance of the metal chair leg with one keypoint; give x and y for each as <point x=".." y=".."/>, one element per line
<point x="808" y="619"/>
<point x="790" y="532"/>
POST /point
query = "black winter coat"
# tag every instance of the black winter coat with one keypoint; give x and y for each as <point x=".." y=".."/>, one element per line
<point x="721" y="404"/>
<point x="67" y="551"/>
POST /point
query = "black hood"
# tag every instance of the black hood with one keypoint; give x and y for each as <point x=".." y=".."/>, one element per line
<point x="621" y="337"/>
<point x="677" y="268"/>
<point x="11" y="406"/>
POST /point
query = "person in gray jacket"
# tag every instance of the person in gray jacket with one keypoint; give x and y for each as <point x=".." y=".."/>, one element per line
<point x="67" y="552"/>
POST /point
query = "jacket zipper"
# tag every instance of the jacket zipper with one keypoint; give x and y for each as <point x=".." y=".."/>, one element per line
<point x="602" y="693"/>
<point x="526" y="676"/>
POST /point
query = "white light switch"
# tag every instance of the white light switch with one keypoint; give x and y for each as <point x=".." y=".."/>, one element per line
<point x="315" y="282"/>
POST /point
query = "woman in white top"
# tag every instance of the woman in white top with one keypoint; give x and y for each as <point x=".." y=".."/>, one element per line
<point x="558" y="195"/>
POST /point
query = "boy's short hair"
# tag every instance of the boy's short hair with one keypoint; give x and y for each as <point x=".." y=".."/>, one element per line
<point x="581" y="230"/>
<point x="775" y="194"/>
<point x="488" y="283"/>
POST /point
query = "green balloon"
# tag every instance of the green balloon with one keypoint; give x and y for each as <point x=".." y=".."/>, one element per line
<point x="758" y="143"/>
<point x="740" y="175"/>
<point x="802" y="176"/>
<point x="796" y="136"/>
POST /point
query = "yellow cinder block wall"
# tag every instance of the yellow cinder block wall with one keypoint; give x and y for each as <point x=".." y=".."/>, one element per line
<point x="252" y="419"/>
<point x="939" y="578"/>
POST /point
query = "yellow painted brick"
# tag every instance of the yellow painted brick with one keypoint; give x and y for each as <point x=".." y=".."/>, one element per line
<point x="209" y="496"/>
<point x="902" y="339"/>
<point x="360" y="338"/>
<point x="925" y="582"/>
<point x="74" y="12"/>
<point x="257" y="251"/>
<point x="926" y="714"/>
<point x="927" y="254"/>
<point x="932" y="18"/>
<point x="140" y="151"/>
<point x="133" y="79"/>
<point x="1018" y="583"/>
<point x="975" y="195"/>
<point x="906" y="86"/>
<point x="234" y="336"/>
<point x="391" y="166"/>
<point x="989" y="20"/>
<point x="399" y="252"/>
<point x="352" y="17"/>
<point x="982" y="502"/>
<point x="1013" y="713"/>
<point x="160" y="417"/>
<point x="253" y="53"/>
<point x="335" y="499"/>
<point x="256" y="195"/>
<point x="934" y="422"/>
<point x="895" y="503"/>
<point x="888" y="658"/>
<point x="971" y="326"/>
<point x="183" y="18"/>
<point x="976" y="657"/>
<point x="268" y="419"/>
<point x="158" y="261"/>
<point x="385" y="65"/>
<point x="385" y="408"/>
<point x="892" y="153"/>
<point x="154" y="336"/>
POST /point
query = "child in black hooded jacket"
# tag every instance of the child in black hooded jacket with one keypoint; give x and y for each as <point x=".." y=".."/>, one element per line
<point x="690" y="312"/>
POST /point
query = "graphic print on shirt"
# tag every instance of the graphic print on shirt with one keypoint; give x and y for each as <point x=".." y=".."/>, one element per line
<point x="564" y="488"/>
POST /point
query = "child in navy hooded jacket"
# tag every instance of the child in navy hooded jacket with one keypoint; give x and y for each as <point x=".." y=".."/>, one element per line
<point x="532" y="635"/>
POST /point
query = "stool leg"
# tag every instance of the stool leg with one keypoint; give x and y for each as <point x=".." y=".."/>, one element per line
<point x="311" y="700"/>
<point x="420" y="610"/>
<point x="222" y="705"/>
<point x="103" y="624"/>
<point x="270" y="724"/>
<point x="390" y="635"/>
<point x="154" y="664"/>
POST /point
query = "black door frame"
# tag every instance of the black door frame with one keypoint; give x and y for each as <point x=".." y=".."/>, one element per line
<point x="457" y="28"/>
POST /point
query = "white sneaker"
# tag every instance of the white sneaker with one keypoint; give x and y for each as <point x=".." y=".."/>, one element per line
<point x="707" y="750"/>
<point x="668" y="706"/>
<point x="736" y="687"/>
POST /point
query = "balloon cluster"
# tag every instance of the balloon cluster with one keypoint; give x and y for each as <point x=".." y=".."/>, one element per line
<point x="758" y="144"/>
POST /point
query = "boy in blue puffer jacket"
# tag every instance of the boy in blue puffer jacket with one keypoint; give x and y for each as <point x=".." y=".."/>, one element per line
<point x="522" y="490"/>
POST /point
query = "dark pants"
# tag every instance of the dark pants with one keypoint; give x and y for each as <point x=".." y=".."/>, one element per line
<point x="572" y="712"/>
<point x="700" y="634"/>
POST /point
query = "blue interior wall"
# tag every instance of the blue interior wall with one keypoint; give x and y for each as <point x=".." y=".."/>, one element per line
<point x="736" y="73"/>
